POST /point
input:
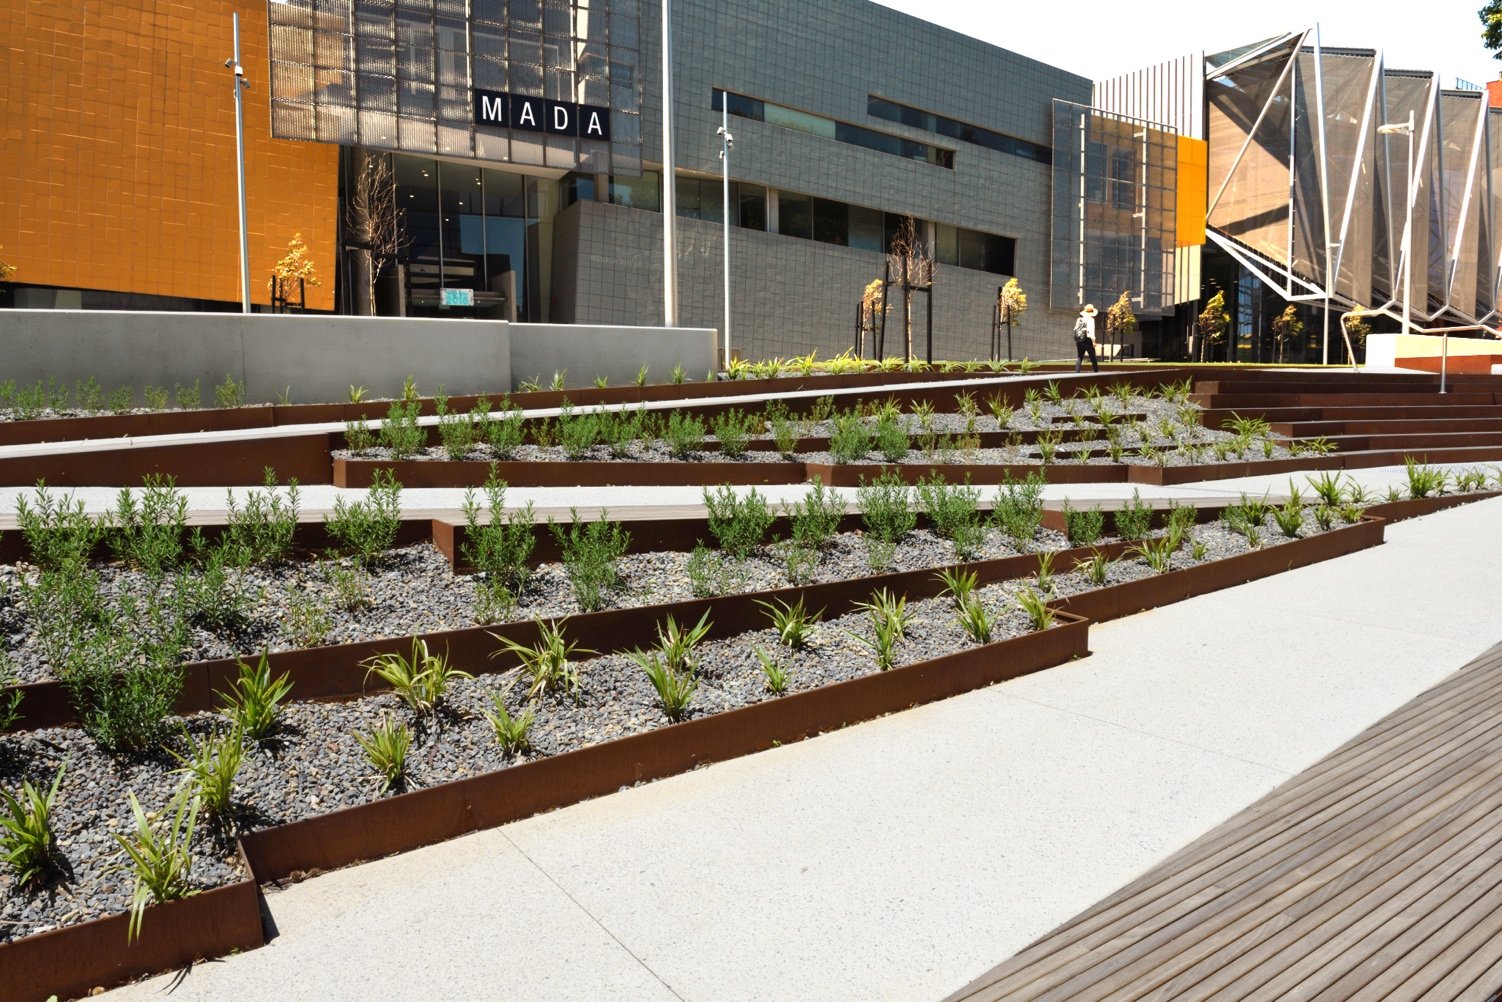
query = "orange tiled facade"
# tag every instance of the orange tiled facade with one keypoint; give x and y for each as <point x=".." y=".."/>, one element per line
<point x="117" y="166"/>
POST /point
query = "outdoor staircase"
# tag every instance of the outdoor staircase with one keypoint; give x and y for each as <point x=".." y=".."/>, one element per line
<point x="1373" y="419"/>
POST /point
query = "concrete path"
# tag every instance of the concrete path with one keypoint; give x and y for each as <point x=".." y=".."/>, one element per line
<point x="900" y="858"/>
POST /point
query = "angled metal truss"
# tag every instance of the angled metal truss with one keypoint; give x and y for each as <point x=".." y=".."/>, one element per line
<point x="1312" y="200"/>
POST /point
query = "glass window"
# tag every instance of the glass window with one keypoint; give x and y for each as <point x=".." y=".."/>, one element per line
<point x="795" y="215"/>
<point x="865" y="228"/>
<point x="831" y="222"/>
<point x="751" y="205"/>
<point x="790" y="118"/>
<point x="504" y="194"/>
<point x="576" y="187"/>
<point x="637" y="192"/>
<point x="946" y="244"/>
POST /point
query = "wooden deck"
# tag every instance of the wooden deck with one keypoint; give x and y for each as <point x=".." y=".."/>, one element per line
<point x="1375" y="874"/>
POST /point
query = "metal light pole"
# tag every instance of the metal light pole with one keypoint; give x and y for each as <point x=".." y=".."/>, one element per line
<point x="669" y="178"/>
<point x="1406" y="129"/>
<point x="240" y="85"/>
<point x="726" y="142"/>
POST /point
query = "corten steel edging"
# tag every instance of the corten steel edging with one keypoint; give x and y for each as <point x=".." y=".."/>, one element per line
<point x="338" y="671"/>
<point x="1399" y="511"/>
<point x="71" y="961"/>
<point x="464" y="473"/>
<point x="72" y="429"/>
<point x="1167" y="475"/>
<point x="191" y="464"/>
<point x="437" y="813"/>
<point x="850" y="475"/>
<point x="1102" y="605"/>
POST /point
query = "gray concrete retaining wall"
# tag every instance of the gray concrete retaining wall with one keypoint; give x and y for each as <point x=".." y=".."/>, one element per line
<point x="317" y="358"/>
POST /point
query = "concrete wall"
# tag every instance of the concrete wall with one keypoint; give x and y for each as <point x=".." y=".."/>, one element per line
<point x="317" y="358"/>
<point x="1385" y="350"/>
<point x="617" y="353"/>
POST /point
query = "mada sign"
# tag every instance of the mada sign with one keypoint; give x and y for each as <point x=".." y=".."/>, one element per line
<point x="535" y="114"/>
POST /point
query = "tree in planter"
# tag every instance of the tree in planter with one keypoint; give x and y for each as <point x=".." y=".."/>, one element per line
<point x="873" y="304"/>
<point x="911" y="268"/>
<point x="296" y="265"/>
<point x="1121" y="322"/>
<point x="1010" y="306"/>
<point x="375" y="220"/>
<point x="1214" y="323"/>
<point x="1287" y="327"/>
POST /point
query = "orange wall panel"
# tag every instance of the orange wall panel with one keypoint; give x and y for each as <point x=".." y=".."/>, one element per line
<point x="1193" y="180"/>
<point x="117" y="169"/>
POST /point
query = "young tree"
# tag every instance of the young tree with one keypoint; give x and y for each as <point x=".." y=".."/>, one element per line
<point x="375" y="221"/>
<point x="1121" y="322"/>
<point x="6" y="270"/>
<point x="1214" y="323"/>
<point x="872" y="306"/>
<point x="295" y="264"/>
<point x="1491" y="27"/>
<point x="909" y="259"/>
<point x="1010" y="306"/>
<point x="1356" y="331"/>
<point x="1287" y="327"/>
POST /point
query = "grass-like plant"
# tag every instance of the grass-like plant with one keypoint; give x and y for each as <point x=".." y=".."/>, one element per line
<point x="1096" y="568"/>
<point x="675" y="689"/>
<point x="161" y="858"/>
<point x="1424" y="481"/>
<point x="1156" y="553"/>
<point x="386" y="746"/>
<point x="1198" y="551"/>
<point x="1048" y="443"/>
<point x="419" y="680"/>
<point x="677" y="644"/>
<point x="1083" y="527"/>
<point x="1324" y="517"/>
<point x="738" y="523"/>
<point x="26" y="837"/>
<point x="591" y="551"/>
<point x="367" y="529"/>
<point x="959" y="584"/>
<point x="775" y="672"/>
<point x="979" y="624"/>
<point x="1017" y="510"/>
<point x="816" y="518"/>
<point x="254" y="700"/>
<point x="794" y="623"/>
<point x="1001" y="411"/>
<point x="209" y="769"/>
<point x="889" y="619"/>
<point x="1290" y="518"/>
<point x="1134" y="519"/>
<point x="1045" y="573"/>
<point x="512" y="731"/>
<point x="1036" y="607"/>
<point x="400" y="431"/>
<point x="548" y="665"/>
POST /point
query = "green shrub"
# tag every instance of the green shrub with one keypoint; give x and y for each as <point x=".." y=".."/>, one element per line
<point x="149" y="533"/>
<point x="733" y="429"/>
<point x="400" y="431"/>
<point x="738" y="523"/>
<point x="1017" y="509"/>
<point x="89" y="394"/>
<point x="217" y="597"/>
<point x="886" y="508"/>
<point x="684" y="435"/>
<point x="501" y="547"/>
<point x="590" y="553"/>
<point x="123" y="676"/>
<point x="156" y="397"/>
<point x="892" y="439"/>
<point x="577" y="432"/>
<point x="120" y="400"/>
<point x="505" y="434"/>
<point x="816" y="518"/>
<point x="954" y="513"/>
<point x="267" y="526"/>
<point x="57" y="531"/>
<point x="783" y="429"/>
<point x="456" y="430"/>
<point x="850" y="440"/>
<point x="189" y="397"/>
<point x="358" y="436"/>
<point x="229" y="393"/>
<point x="1083" y="527"/>
<point x="1135" y="518"/>
<point x="366" y="529"/>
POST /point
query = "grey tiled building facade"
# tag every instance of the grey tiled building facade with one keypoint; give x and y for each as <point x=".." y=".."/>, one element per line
<point x="830" y="58"/>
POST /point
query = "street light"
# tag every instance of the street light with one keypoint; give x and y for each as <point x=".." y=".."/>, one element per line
<point x="241" y="85"/>
<point x="1406" y="129"/>
<point x="669" y="178"/>
<point x="726" y="142"/>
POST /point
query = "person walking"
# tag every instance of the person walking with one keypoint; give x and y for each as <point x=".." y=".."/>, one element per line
<point x="1084" y="338"/>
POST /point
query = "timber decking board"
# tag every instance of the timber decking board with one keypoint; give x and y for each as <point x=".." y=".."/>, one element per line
<point x="1374" y="874"/>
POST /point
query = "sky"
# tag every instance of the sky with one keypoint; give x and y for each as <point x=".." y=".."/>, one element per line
<point x="1439" y="35"/>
